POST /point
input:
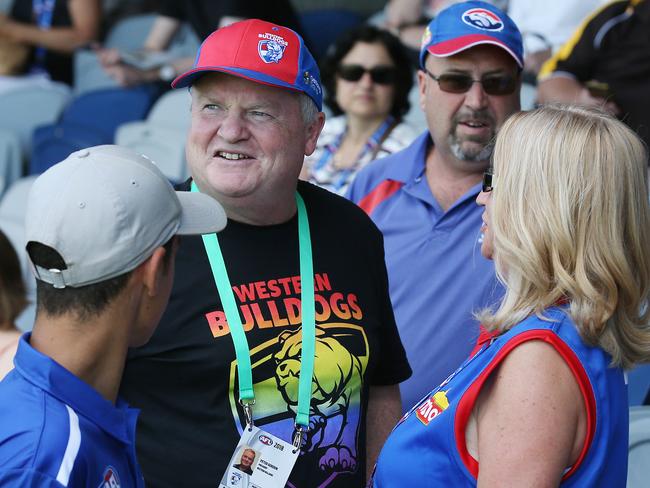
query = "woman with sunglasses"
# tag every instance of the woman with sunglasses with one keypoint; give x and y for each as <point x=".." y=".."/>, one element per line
<point x="367" y="79"/>
<point x="542" y="401"/>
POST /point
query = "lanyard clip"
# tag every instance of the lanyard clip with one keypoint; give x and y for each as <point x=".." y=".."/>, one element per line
<point x="299" y="436"/>
<point x="248" y="412"/>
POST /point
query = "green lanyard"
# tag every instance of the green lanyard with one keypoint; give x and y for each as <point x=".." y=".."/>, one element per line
<point x="242" y="351"/>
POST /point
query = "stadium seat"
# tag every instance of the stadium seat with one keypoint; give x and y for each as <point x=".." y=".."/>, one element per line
<point x="638" y="384"/>
<point x="90" y="119"/>
<point x="162" y="136"/>
<point x="322" y="27"/>
<point x="12" y="222"/>
<point x="638" y="469"/>
<point x="24" y="109"/>
<point x="11" y="161"/>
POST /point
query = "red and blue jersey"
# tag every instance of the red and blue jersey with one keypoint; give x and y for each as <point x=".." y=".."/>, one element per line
<point x="430" y="439"/>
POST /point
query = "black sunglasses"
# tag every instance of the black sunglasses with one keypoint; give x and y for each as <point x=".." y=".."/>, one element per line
<point x="488" y="181"/>
<point x="461" y="83"/>
<point x="383" y="75"/>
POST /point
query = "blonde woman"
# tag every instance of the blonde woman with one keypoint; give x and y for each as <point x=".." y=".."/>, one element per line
<point x="543" y="402"/>
<point x="12" y="302"/>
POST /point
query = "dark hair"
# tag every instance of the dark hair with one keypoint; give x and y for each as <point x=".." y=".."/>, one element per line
<point x="13" y="298"/>
<point x="396" y="51"/>
<point x="85" y="301"/>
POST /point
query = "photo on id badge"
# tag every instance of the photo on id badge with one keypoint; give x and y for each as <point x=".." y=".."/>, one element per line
<point x="260" y="460"/>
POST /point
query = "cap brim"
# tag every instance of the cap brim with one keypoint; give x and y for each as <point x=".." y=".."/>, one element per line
<point x="201" y="214"/>
<point x="459" y="44"/>
<point x="189" y="77"/>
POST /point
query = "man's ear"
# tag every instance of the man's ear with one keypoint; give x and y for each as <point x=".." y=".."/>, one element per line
<point x="313" y="131"/>
<point x="422" y="88"/>
<point x="153" y="270"/>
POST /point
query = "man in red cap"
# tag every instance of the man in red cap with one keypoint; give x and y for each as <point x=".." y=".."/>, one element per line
<point x="423" y="198"/>
<point x="297" y="284"/>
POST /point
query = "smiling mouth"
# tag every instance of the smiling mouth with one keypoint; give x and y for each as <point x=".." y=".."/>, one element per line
<point x="231" y="156"/>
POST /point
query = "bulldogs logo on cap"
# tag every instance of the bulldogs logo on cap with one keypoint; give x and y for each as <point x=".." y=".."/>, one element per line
<point x="483" y="19"/>
<point x="271" y="47"/>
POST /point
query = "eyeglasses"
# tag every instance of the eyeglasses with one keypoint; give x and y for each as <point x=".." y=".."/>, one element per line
<point x="461" y="83"/>
<point x="488" y="181"/>
<point x="382" y="75"/>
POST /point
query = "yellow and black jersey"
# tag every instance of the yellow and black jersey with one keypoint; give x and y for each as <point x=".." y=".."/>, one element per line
<point x="612" y="46"/>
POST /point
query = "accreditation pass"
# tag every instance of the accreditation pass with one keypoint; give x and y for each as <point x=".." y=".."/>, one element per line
<point x="260" y="460"/>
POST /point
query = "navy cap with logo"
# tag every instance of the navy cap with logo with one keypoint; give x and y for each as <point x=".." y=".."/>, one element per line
<point x="468" y="24"/>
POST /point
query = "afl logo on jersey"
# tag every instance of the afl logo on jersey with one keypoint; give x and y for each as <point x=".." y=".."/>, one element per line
<point x="433" y="407"/>
<point x="110" y="479"/>
<point x="483" y="19"/>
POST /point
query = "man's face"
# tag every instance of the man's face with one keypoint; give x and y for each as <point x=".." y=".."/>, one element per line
<point x="246" y="140"/>
<point x="463" y="125"/>
<point x="247" y="458"/>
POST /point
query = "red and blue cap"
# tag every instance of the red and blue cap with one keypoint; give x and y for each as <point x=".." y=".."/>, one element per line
<point x="258" y="51"/>
<point x="468" y="24"/>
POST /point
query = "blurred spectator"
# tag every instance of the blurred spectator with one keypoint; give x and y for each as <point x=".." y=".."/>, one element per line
<point x="606" y="63"/>
<point x="12" y="303"/>
<point x="204" y="16"/>
<point x="546" y="25"/>
<point x="368" y="93"/>
<point x="52" y="30"/>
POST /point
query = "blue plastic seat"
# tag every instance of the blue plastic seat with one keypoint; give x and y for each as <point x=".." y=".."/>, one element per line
<point x="89" y="120"/>
<point x="322" y="27"/>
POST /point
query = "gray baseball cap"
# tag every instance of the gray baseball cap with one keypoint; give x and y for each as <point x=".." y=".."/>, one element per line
<point x="105" y="210"/>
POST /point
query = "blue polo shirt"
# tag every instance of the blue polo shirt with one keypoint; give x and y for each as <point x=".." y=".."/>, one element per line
<point x="55" y="430"/>
<point x="437" y="275"/>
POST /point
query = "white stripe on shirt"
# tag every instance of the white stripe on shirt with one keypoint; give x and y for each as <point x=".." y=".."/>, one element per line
<point x="71" y="450"/>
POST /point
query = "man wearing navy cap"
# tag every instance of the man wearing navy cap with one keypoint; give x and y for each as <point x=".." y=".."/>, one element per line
<point x="239" y="309"/>
<point x="423" y="198"/>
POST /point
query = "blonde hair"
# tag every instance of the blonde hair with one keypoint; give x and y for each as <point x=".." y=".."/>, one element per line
<point x="571" y="221"/>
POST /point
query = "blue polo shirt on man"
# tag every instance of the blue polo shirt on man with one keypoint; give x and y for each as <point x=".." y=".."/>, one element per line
<point x="437" y="275"/>
<point x="55" y="430"/>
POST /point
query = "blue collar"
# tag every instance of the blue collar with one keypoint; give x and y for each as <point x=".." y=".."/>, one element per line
<point x="409" y="168"/>
<point x="45" y="373"/>
<point x="414" y="157"/>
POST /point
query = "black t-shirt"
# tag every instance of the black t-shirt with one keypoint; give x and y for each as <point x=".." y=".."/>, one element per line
<point x="58" y="65"/>
<point x="614" y="48"/>
<point x="204" y="15"/>
<point x="185" y="379"/>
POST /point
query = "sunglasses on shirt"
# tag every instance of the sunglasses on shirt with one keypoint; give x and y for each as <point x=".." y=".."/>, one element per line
<point x="488" y="181"/>
<point x="382" y="75"/>
<point x="461" y="83"/>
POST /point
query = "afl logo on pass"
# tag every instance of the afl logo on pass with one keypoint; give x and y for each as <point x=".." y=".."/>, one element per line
<point x="266" y="440"/>
<point x="433" y="407"/>
<point x="483" y="19"/>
